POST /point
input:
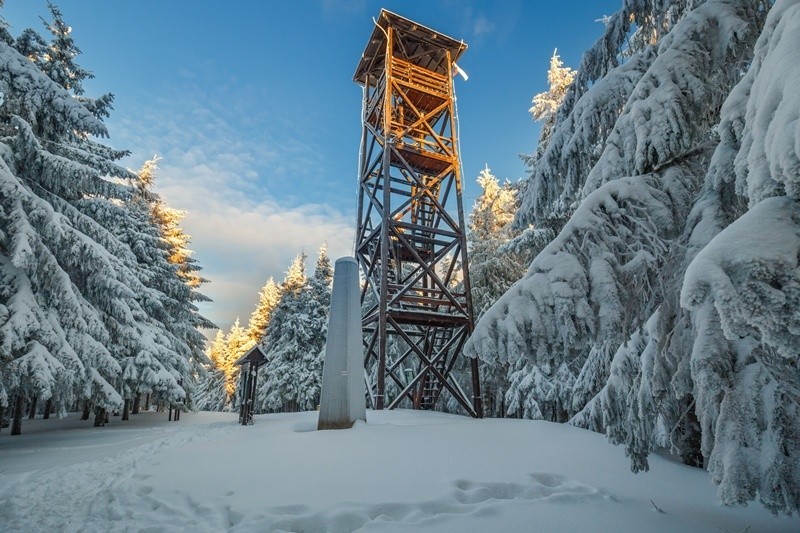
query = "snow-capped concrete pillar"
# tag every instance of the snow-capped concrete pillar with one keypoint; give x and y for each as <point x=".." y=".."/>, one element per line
<point x="343" y="397"/>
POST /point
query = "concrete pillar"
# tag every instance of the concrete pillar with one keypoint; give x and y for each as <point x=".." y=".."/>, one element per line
<point x="343" y="397"/>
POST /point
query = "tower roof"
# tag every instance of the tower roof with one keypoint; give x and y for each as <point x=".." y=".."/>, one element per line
<point x="422" y="46"/>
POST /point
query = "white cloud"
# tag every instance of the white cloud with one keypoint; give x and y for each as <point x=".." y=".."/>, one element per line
<point x="248" y="193"/>
<point x="482" y="26"/>
<point x="241" y="242"/>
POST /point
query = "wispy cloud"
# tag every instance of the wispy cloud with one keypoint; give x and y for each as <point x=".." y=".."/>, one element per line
<point x="247" y="183"/>
<point x="493" y="20"/>
<point x="481" y="26"/>
<point x="473" y="24"/>
<point x="242" y="241"/>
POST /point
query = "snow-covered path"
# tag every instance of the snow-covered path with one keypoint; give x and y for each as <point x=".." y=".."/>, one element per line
<point x="83" y="478"/>
<point x="400" y="471"/>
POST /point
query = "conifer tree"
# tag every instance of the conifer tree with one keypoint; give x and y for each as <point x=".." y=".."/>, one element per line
<point x="323" y="275"/>
<point x="236" y="344"/>
<point x="741" y="286"/>
<point x="180" y="255"/>
<point x="174" y="241"/>
<point x="171" y="297"/>
<point x="546" y="104"/>
<point x="61" y="262"/>
<point x="296" y="338"/>
<point x="493" y="269"/>
<point x="59" y="64"/>
<point x="295" y="278"/>
<point x="662" y="314"/>
<point x="317" y="305"/>
<point x="601" y="86"/>
<point x="278" y="389"/>
<point x="212" y="394"/>
<point x="604" y="274"/>
<point x="78" y="307"/>
<point x="268" y="299"/>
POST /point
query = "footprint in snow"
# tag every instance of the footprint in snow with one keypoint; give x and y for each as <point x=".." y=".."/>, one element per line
<point x="542" y="486"/>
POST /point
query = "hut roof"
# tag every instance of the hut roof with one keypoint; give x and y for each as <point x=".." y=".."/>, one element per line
<point x="254" y="355"/>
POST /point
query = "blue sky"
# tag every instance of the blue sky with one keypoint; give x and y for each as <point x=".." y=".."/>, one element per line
<point x="252" y="107"/>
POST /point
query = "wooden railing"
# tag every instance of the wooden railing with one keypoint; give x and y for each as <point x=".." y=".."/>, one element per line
<point x="418" y="77"/>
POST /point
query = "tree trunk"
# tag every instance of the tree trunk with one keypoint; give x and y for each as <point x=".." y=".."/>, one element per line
<point x="99" y="417"/>
<point x="125" y="409"/>
<point x="85" y="415"/>
<point x="691" y="453"/>
<point x="2" y="413"/>
<point x="32" y="414"/>
<point x="136" y="401"/>
<point x="106" y="419"/>
<point x="16" y="422"/>
<point x="147" y="402"/>
<point x="48" y="406"/>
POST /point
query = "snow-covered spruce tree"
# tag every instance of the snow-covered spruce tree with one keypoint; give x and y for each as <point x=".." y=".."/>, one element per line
<point x="180" y="255"/>
<point x="176" y="242"/>
<point x="571" y="302"/>
<point x="550" y="193"/>
<point x="733" y="360"/>
<point x="212" y="394"/>
<point x="285" y="337"/>
<point x="546" y="104"/>
<point x="492" y="271"/>
<point x="268" y="299"/>
<point x="653" y="406"/>
<point x="603" y="276"/>
<point x="167" y="298"/>
<point x="295" y="278"/>
<point x="185" y="320"/>
<point x="56" y="58"/>
<point x="51" y="250"/>
<point x="296" y="339"/>
<point x="743" y="283"/>
<point x="156" y="344"/>
<point x="236" y="344"/>
<point x="37" y="360"/>
<point x="602" y="84"/>
<point x="318" y="303"/>
<point x="82" y="278"/>
<point x="188" y="271"/>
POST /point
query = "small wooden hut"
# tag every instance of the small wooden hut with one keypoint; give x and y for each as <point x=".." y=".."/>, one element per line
<point x="248" y="377"/>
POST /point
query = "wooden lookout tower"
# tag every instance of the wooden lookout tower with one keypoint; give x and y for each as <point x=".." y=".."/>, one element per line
<point x="410" y="239"/>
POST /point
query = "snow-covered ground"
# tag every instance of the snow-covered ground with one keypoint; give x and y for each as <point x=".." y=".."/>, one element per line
<point x="402" y="470"/>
